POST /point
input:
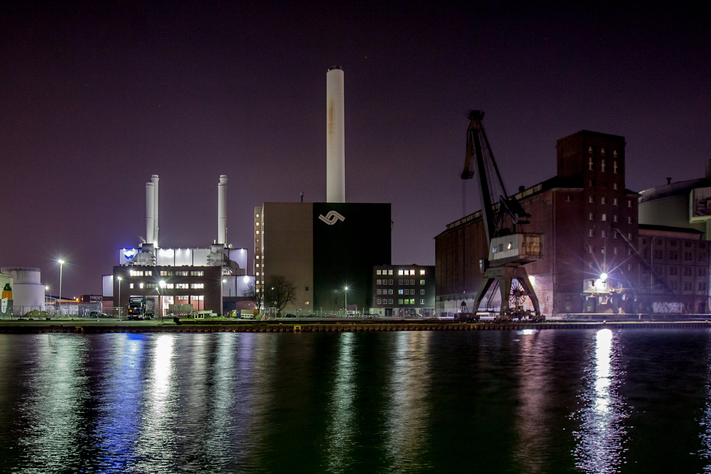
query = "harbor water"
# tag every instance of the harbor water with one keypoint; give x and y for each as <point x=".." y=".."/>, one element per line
<point x="509" y="401"/>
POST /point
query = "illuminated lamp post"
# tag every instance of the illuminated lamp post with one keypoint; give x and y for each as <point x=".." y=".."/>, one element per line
<point x="222" y="297"/>
<point x="160" y="296"/>
<point x="61" y="264"/>
<point x="119" y="297"/>
<point x="346" y="292"/>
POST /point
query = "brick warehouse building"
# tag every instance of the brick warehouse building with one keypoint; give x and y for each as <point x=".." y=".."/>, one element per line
<point x="589" y="222"/>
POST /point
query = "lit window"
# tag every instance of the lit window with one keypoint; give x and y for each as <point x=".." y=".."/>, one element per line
<point x="614" y="186"/>
<point x="257" y="223"/>
<point x="130" y="285"/>
<point x="422" y="301"/>
<point x="399" y="301"/>
<point x="412" y="272"/>
<point x="602" y="234"/>
<point x="590" y="164"/>
<point x="614" y="166"/>
<point x="377" y="272"/>
<point x="390" y="272"/>
<point x="257" y="232"/>
<point x="399" y="292"/>
<point x="257" y="273"/>
<point x="140" y="285"/>
<point x="257" y="257"/>
<point x="422" y="282"/>
<point x="149" y="273"/>
<point x="422" y="272"/>
<point x="591" y="233"/>
<point x="197" y="285"/>
<point x="614" y="218"/>
<point x="591" y="216"/>
<point x="603" y="217"/>
<point x="602" y="151"/>
<point x="614" y="201"/>
<point x="614" y="153"/>
<point x="399" y="272"/>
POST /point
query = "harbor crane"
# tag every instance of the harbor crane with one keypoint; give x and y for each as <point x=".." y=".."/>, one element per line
<point x="508" y="247"/>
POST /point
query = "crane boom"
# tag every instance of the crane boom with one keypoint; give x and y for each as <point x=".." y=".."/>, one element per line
<point x="508" y="249"/>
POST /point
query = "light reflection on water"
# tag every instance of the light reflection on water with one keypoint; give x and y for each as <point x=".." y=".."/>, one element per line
<point x="602" y="432"/>
<point x="408" y="413"/>
<point x="353" y="402"/>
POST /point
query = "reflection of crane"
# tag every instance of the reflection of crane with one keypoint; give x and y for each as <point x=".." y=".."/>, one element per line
<point x="508" y="249"/>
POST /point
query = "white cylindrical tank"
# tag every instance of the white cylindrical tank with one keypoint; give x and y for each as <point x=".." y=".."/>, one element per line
<point x="222" y="210"/>
<point x="154" y="180"/>
<point x="150" y="205"/>
<point x="335" y="137"/>
<point x="27" y="289"/>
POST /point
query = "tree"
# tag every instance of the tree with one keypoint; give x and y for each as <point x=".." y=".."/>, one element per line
<point x="256" y="296"/>
<point x="279" y="292"/>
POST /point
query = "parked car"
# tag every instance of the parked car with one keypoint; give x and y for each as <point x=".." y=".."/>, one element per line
<point x="289" y="315"/>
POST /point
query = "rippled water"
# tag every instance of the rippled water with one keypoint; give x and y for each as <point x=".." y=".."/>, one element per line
<point x="591" y="401"/>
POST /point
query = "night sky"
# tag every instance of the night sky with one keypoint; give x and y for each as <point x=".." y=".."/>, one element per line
<point x="95" y="97"/>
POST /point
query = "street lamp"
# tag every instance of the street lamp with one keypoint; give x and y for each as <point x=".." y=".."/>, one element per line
<point x="222" y="297"/>
<point x="61" y="264"/>
<point x="160" y="306"/>
<point x="346" y="291"/>
<point x="119" y="298"/>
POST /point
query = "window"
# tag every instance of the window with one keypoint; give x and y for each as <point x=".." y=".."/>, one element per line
<point x="149" y="273"/>
<point x="378" y="281"/>
<point x="673" y="255"/>
<point x="130" y="285"/>
<point x="135" y="273"/>
<point x="412" y="272"/>
<point x="140" y="285"/>
<point x="604" y="217"/>
<point x="701" y="286"/>
<point x="399" y="282"/>
<point x="590" y="199"/>
<point x="399" y="301"/>
<point x="614" y="153"/>
<point x="687" y="256"/>
<point x="164" y="273"/>
<point x="422" y="282"/>
<point x="591" y="233"/>
<point x="602" y="234"/>
<point x="390" y="282"/>
<point x="603" y="200"/>
<point x="182" y="286"/>
<point x="701" y="272"/>
<point x="412" y="301"/>
<point x="590" y="164"/>
<point x="615" y="250"/>
<point x="602" y="151"/>
<point x="390" y="291"/>
<point x="390" y="272"/>
<point x="169" y="286"/>
<point x="602" y="250"/>
<point x="629" y="203"/>
<point x="701" y="257"/>
<point x="378" y="301"/>
<point x="412" y="281"/>
<point x="614" y="186"/>
<point x="657" y="254"/>
<point x="629" y="219"/>
<point x="399" y="272"/>
<point x="181" y="273"/>
<point x="672" y="243"/>
<point x="590" y="249"/>
<point x="602" y="165"/>
<point x="422" y="291"/>
<point x="377" y="272"/>
<point x="422" y="272"/>
<point x="687" y="271"/>
<point x="390" y="301"/>
<point x="590" y="149"/>
<point x="568" y="198"/>
<point x="614" y="166"/>
<point x="614" y="218"/>
<point x="614" y="201"/>
<point x="197" y="273"/>
<point x="422" y="301"/>
<point x="399" y="292"/>
<point x="197" y="285"/>
<point x="379" y="291"/>
<point x="687" y="244"/>
<point x="674" y="286"/>
<point x="590" y="217"/>
<point x="687" y="286"/>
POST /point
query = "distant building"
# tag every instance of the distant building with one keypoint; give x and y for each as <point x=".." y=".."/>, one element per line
<point x="404" y="290"/>
<point x="27" y="289"/>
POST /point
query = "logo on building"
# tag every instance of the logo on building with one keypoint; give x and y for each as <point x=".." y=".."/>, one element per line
<point x="332" y="217"/>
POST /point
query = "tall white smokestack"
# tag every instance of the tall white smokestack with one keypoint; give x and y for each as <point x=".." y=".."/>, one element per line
<point x="222" y="210"/>
<point x="335" y="137"/>
<point x="150" y="212"/>
<point x="154" y="180"/>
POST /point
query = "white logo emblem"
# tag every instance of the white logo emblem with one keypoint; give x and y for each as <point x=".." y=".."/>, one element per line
<point x="331" y="218"/>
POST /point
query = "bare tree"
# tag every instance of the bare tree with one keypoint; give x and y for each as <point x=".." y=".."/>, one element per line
<point x="279" y="292"/>
<point x="256" y="296"/>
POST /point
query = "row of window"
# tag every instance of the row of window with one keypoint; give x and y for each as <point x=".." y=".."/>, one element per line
<point x="603" y="218"/>
<point x="674" y="255"/>
<point x="400" y="281"/>
<point x="602" y="151"/>
<point x="673" y="243"/>
<point x="688" y="286"/>
<point x="168" y="286"/>
<point x="164" y="273"/>
<point x="674" y="270"/>
<point x="399" y="301"/>
<point x="591" y="164"/>
<point x="603" y="200"/>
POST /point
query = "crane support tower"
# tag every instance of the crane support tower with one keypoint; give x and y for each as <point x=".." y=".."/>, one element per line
<point x="508" y="248"/>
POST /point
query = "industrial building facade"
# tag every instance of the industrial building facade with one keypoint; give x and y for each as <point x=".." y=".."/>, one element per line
<point x="589" y="223"/>
<point x="322" y="248"/>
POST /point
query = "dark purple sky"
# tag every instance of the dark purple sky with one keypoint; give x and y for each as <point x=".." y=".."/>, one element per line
<point x="94" y="99"/>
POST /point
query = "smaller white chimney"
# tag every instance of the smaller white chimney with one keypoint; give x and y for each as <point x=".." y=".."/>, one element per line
<point x="154" y="180"/>
<point x="150" y="212"/>
<point x="222" y="210"/>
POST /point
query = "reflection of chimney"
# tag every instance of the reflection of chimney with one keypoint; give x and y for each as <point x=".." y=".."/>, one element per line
<point x="222" y="210"/>
<point x="335" y="137"/>
<point x="150" y="212"/>
<point x="154" y="180"/>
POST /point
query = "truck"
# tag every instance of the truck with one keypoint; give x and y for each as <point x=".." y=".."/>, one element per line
<point x="141" y="307"/>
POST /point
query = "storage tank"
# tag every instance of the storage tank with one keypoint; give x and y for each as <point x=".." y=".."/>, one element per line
<point x="27" y="290"/>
